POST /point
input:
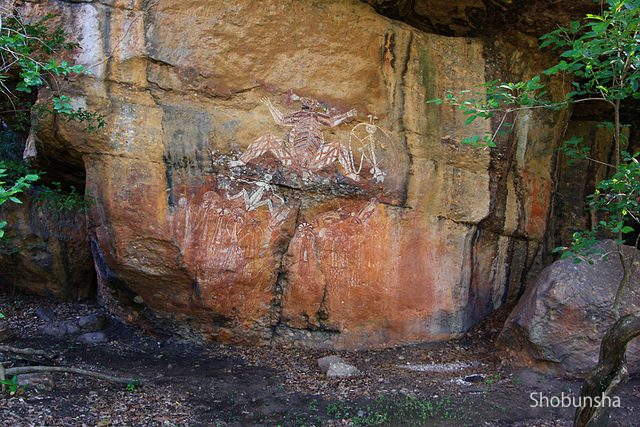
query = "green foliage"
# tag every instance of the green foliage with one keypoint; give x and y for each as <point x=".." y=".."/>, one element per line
<point x="11" y="385"/>
<point x="16" y="169"/>
<point x="497" y="97"/>
<point x="29" y="59"/>
<point x="493" y="378"/>
<point x="581" y="248"/>
<point x="9" y="192"/>
<point x="617" y="196"/>
<point x="56" y="198"/>
<point x="574" y="149"/>
<point x="404" y="410"/>
<point x="601" y="53"/>
<point x="64" y="108"/>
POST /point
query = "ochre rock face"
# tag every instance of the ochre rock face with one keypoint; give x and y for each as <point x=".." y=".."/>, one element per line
<point x="210" y="214"/>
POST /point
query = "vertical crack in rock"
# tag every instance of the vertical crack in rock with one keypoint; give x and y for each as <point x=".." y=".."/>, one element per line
<point x="105" y="30"/>
<point x="467" y="295"/>
<point x="503" y="169"/>
<point x="322" y="315"/>
<point x="323" y="311"/>
<point x="395" y="56"/>
<point x="281" y="278"/>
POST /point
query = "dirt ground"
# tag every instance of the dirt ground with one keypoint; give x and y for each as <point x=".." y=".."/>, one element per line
<point x="219" y="385"/>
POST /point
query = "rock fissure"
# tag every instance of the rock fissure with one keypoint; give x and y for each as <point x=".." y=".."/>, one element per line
<point x="281" y="277"/>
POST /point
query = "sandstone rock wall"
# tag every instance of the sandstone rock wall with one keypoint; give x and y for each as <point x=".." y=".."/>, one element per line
<point x="413" y="238"/>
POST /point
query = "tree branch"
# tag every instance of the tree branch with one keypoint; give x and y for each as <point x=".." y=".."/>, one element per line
<point x="105" y="377"/>
<point x="27" y="351"/>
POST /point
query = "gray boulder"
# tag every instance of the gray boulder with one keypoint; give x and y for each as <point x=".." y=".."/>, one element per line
<point x="560" y="320"/>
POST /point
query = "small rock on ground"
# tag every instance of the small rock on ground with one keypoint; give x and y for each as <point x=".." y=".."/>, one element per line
<point x="342" y="370"/>
<point x="325" y="362"/>
<point x="93" y="338"/>
<point x="59" y="329"/>
<point x="336" y="367"/>
<point x="45" y="313"/>
<point x="92" y="322"/>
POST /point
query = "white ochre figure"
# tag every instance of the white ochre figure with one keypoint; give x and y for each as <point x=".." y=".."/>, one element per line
<point x="257" y="198"/>
<point x="360" y="152"/>
<point x="304" y="147"/>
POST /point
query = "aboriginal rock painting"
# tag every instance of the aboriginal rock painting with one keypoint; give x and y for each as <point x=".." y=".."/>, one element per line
<point x="333" y="256"/>
<point x="310" y="233"/>
<point x="229" y="226"/>
<point x="304" y="150"/>
<point x="223" y="230"/>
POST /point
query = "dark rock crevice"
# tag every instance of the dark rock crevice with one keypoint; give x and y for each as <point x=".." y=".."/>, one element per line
<point x="474" y="18"/>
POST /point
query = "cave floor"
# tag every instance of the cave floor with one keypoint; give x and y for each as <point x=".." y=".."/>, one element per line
<point x="222" y="385"/>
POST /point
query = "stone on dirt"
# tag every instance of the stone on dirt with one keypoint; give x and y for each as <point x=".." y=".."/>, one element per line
<point x="60" y="329"/>
<point x="325" y="362"/>
<point x="336" y="367"/>
<point x="92" y="322"/>
<point x="342" y="370"/>
<point x="474" y="378"/>
<point x="45" y="313"/>
<point x="92" y="338"/>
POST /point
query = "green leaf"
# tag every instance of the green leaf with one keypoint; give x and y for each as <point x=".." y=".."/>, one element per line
<point x="594" y="17"/>
<point x="470" y="120"/>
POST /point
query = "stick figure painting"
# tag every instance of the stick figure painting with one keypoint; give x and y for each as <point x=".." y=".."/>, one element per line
<point x="304" y="150"/>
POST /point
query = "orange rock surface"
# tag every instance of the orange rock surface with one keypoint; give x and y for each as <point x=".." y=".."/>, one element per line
<point x="424" y="253"/>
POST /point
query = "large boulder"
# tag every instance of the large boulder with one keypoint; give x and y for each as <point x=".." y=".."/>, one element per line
<point x="204" y="216"/>
<point x="559" y="322"/>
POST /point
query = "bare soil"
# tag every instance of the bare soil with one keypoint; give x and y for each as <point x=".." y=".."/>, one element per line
<point x="219" y="385"/>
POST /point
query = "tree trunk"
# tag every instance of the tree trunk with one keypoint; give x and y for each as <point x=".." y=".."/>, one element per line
<point x="609" y="374"/>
